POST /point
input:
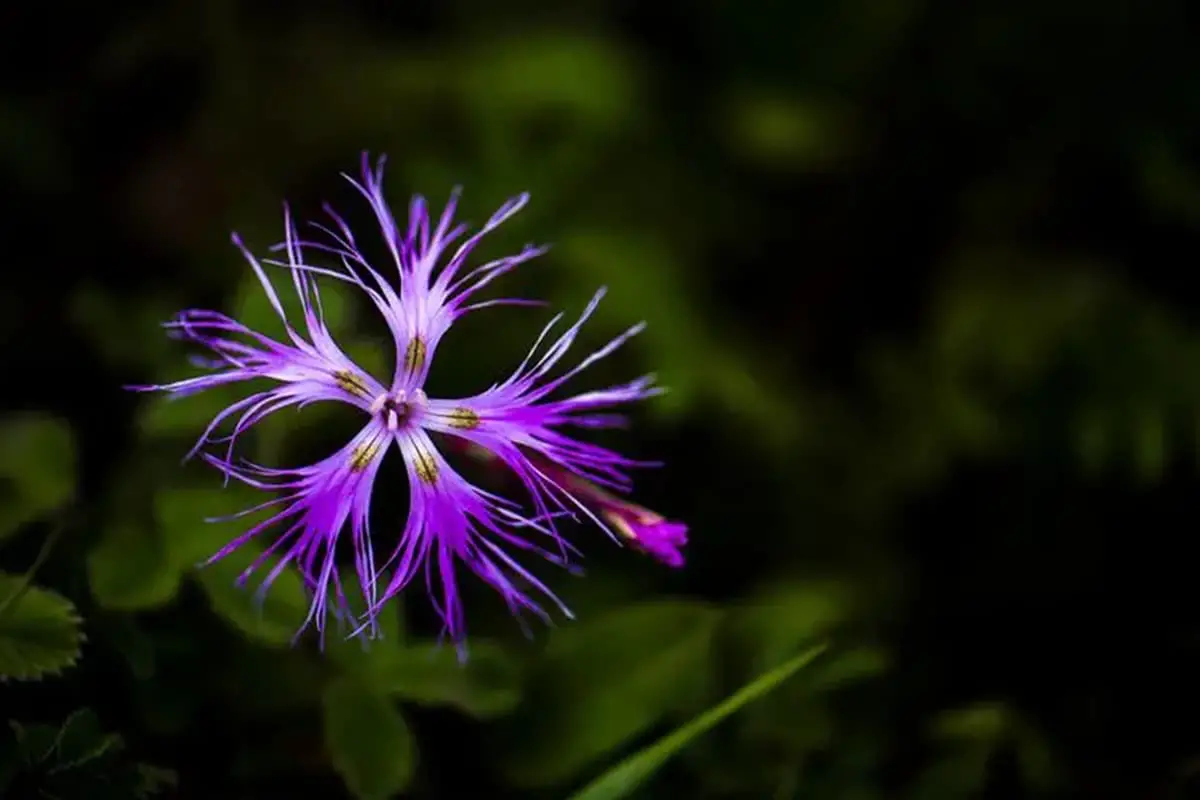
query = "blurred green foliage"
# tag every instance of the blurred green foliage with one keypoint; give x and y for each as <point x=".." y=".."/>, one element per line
<point x="75" y="758"/>
<point x="589" y="696"/>
<point x="369" y="742"/>
<point x="932" y="409"/>
<point x="37" y="469"/>
<point x="621" y="780"/>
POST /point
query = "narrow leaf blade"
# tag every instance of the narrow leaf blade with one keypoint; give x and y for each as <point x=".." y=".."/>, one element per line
<point x="629" y="774"/>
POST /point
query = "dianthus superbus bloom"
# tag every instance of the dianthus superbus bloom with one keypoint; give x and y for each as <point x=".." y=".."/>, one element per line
<point x="517" y="423"/>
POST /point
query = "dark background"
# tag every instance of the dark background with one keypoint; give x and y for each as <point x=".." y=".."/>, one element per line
<point x="918" y="274"/>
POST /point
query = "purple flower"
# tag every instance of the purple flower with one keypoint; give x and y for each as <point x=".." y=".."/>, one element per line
<point x="516" y="422"/>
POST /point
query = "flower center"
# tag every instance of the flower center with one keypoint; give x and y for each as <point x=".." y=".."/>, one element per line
<point x="397" y="408"/>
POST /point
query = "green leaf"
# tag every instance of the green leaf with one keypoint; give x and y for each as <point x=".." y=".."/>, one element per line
<point x="153" y="780"/>
<point x="276" y="617"/>
<point x="487" y="685"/>
<point x="848" y="666"/>
<point x="985" y="723"/>
<point x="369" y="658"/>
<point x="152" y="536"/>
<point x="1034" y="756"/>
<point x="969" y="737"/>
<point x="369" y="743"/>
<point x="37" y="468"/>
<point x="622" y="779"/>
<point x="972" y="734"/>
<point x="129" y="569"/>
<point x="40" y="630"/>
<point x="182" y="515"/>
<point x="782" y="618"/>
<point x="35" y="743"/>
<point x="603" y="682"/>
<point x="170" y="415"/>
<point x="82" y="740"/>
<point x="79" y="759"/>
<point x="778" y="621"/>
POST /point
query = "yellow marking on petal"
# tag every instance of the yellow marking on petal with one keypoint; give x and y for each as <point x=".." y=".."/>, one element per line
<point x="463" y="418"/>
<point x="364" y="454"/>
<point x="414" y="355"/>
<point x="350" y="383"/>
<point x="619" y="524"/>
<point x="425" y="465"/>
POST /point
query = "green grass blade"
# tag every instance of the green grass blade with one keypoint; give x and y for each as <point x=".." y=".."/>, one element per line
<point x="622" y="779"/>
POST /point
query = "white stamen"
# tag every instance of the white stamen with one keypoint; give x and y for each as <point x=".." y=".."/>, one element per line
<point x="395" y="407"/>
